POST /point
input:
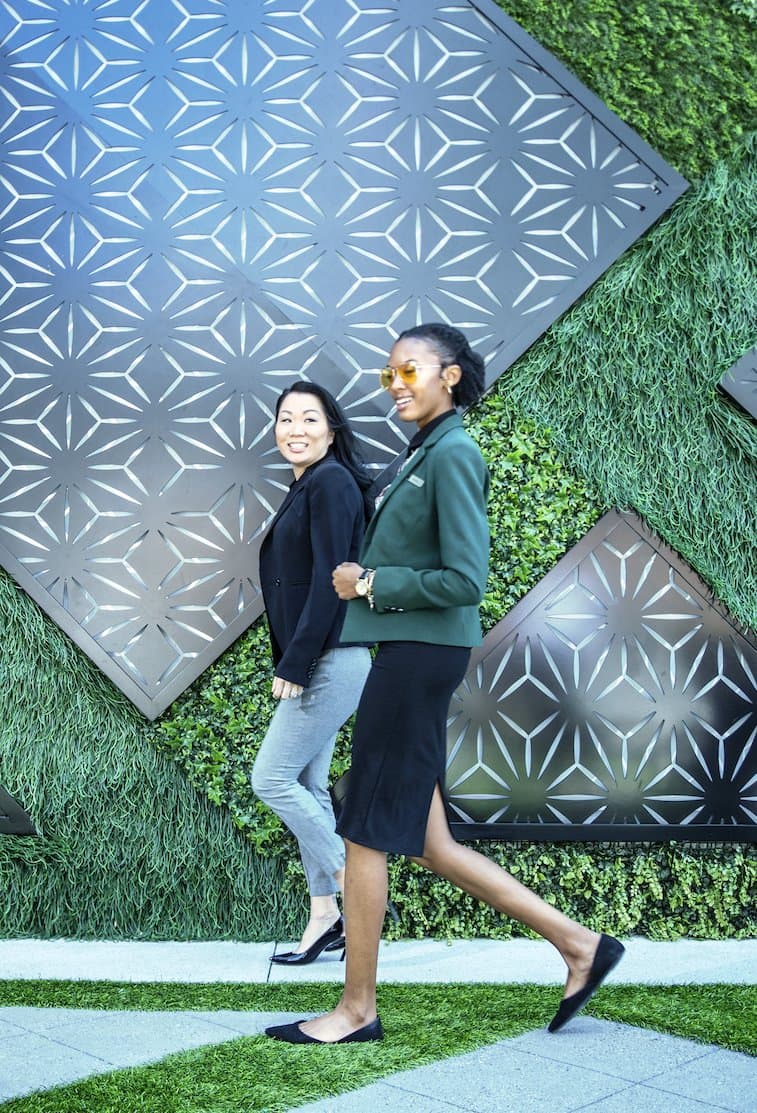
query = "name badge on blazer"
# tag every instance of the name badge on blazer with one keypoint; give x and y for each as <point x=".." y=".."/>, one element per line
<point x="416" y="480"/>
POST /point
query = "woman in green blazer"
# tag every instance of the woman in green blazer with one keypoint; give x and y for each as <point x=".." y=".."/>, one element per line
<point x="415" y="591"/>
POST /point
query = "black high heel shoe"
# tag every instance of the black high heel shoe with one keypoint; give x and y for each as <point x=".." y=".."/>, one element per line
<point x="331" y="940"/>
<point x="607" y="955"/>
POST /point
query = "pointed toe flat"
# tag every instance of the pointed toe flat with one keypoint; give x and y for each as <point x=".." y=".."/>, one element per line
<point x="292" y="1033"/>
<point x="607" y="955"/>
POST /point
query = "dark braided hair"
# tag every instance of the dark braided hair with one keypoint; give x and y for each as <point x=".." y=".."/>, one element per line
<point x="452" y="347"/>
<point x="344" y="447"/>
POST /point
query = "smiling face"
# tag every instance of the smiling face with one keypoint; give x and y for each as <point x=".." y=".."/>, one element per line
<point x="427" y="396"/>
<point x="302" y="431"/>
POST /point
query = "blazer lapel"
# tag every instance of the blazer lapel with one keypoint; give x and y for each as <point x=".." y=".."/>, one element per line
<point x="414" y="461"/>
<point x="289" y="498"/>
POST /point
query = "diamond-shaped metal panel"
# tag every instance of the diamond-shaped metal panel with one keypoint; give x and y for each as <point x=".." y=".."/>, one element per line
<point x="613" y="701"/>
<point x="13" y="819"/>
<point x="740" y="381"/>
<point x="201" y="200"/>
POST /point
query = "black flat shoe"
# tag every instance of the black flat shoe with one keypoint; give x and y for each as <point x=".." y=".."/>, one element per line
<point x="292" y="1033"/>
<point x="607" y="955"/>
<point x="331" y="940"/>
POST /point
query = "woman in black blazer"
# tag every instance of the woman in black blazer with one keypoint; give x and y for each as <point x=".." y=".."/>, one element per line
<point x="317" y="682"/>
<point x="415" y="590"/>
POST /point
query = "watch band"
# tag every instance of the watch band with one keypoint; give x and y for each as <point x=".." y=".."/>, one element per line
<point x="366" y="577"/>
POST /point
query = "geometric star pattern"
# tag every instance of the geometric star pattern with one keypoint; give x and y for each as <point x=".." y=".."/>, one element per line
<point x="613" y="701"/>
<point x="202" y="201"/>
<point x="740" y="381"/>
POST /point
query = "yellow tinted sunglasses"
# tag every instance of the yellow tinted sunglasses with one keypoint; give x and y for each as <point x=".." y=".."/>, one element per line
<point x="407" y="371"/>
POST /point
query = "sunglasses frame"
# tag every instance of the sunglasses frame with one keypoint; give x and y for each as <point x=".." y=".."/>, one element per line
<point x="387" y="374"/>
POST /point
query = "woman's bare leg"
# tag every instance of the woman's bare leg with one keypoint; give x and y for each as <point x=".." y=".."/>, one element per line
<point x="365" y="893"/>
<point x="487" y="881"/>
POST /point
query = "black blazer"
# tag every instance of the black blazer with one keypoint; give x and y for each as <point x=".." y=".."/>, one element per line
<point x="319" y="524"/>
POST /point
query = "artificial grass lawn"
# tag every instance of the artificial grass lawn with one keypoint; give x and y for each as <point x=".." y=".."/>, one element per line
<point x="423" y="1023"/>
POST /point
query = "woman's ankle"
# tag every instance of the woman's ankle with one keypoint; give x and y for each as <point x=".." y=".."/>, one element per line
<point x="360" y="1012"/>
<point x="323" y="909"/>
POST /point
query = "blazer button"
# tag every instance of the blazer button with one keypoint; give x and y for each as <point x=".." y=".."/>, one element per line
<point x="277" y="582"/>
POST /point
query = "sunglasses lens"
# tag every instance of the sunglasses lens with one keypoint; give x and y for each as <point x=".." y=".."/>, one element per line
<point x="406" y="371"/>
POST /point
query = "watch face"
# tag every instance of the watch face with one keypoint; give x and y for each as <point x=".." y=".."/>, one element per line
<point x="361" y="586"/>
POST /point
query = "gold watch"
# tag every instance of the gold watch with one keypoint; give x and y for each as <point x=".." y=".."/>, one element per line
<point x="363" y="583"/>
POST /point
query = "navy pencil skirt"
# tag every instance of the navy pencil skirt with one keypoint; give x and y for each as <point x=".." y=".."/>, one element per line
<point x="399" y="745"/>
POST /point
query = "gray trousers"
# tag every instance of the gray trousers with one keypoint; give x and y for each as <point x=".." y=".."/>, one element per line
<point x="291" y="770"/>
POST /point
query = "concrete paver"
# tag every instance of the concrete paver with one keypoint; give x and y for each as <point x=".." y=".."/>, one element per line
<point x="424" y="960"/>
<point x="43" y="1048"/>
<point x="103" y="960"/>
<point x="591" y="1064"/>
<point x="32" y="1062"/>
<point x="721" y="1078"/>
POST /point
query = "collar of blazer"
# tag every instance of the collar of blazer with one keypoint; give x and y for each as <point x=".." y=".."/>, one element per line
<point x="454" y="422"/>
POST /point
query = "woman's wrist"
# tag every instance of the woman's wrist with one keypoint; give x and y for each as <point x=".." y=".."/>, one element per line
<point x="364" y="585"/>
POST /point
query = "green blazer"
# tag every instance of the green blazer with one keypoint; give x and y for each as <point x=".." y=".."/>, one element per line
<point x="429" y="544"/>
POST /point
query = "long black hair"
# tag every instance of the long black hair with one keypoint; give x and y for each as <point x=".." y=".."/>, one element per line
<point x="344" y="447"/>
<point x="452" y="347"/>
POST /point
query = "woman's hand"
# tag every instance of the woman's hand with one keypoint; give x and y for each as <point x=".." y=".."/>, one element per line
<point x="285" y="689"/>
<point x="344" y="577"/>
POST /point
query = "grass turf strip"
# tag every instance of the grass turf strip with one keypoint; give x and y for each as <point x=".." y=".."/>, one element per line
<point x="424" y="1023"/>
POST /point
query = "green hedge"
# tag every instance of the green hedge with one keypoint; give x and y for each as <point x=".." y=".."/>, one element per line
<point x="746" y="8"/>
<point x="661" y="891"/>
<point x="682" y="73"/>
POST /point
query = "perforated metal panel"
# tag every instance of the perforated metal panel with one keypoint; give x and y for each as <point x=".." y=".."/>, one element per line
<point x="740" y="381"/>
<point x="13" y="819"/>
<point x="614" y="701"/>
<point x="202" y="200"/>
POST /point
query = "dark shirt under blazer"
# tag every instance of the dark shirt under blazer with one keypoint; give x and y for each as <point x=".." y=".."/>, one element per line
<point x="429" y="544"/>
<point x="319" y="525"/>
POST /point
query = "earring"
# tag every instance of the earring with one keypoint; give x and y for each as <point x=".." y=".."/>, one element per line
<point x="447" y="387"/>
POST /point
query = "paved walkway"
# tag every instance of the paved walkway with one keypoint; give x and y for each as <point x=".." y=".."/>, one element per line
<point x="590" y="1065"/>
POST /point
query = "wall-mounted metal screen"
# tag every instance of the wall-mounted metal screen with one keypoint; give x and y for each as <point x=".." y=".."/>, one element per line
<point x="740" y="381"/>
<point x="13" y="819"/>
<point x="200" y="201"/>
<point x="615" y="701"/>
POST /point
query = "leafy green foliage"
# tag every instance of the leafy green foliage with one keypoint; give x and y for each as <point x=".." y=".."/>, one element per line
<point x="682" y="73"/>
<point x="661" y="891"/>
<point x="746" y="8"/>
<point x="538" y="508"/>
<point x="215" y="728"/>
